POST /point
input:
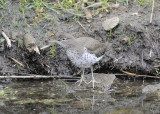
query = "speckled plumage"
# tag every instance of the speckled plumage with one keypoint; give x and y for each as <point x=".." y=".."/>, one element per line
<point x="84" y="60"/>
<point x="83" y="52"/>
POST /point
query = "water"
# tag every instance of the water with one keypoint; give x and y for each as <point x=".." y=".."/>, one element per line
<point x="57" y="97"/>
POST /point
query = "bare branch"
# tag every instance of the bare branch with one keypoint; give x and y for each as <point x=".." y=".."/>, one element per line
<point x="152" y="11"/>
<point x="7" y="39"/>
<point x="16" y="61"/>
<point x="40" y="76"/>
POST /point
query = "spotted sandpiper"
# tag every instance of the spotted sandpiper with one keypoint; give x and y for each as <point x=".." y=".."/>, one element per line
<point x="83" y="52"/>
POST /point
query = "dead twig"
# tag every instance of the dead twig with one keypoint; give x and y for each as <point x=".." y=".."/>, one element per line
<point x="39" y="76"/>
<point x="82" y="26"/>
<point x="157" y="66"/>
<point x="45" y="47"/>
<point x="66" y="77"/>
<point x="88" y="14"/>
<point x="24" y="74"/>
<point x="129" y="73"/>
<point x="7" y="39"/>
<point x="140" y="76"/>
<point x="16" y="61"/>
<point x="152" y="11"/>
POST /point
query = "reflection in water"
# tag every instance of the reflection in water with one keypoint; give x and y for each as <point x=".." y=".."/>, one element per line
<point x="44" y="97"/>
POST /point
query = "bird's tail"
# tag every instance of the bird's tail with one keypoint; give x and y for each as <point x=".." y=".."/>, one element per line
<point x="99" y="58"/>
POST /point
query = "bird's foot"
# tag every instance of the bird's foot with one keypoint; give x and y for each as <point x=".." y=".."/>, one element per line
<point x="81" y="80"/>
<point x="93" y="81"/>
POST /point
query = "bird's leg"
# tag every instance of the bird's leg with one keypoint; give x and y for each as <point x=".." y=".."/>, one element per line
<point x="80" y="81"/>
<point x="93" y="80"/>
<point x="82" y="78"/>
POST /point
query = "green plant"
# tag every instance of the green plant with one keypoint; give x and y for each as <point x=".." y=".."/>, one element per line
<point x="94" y="4"/>
<point x="157" y="72"/>
<point x="123" y="32"/>
<point x="129" y="41"/>
<point x="123" y="1"/>
<point x="52" y="52"/>
<point x="130" y="23"/>
<point x="143" y="2"/>
<point x="76" y="12"/>
<point x="110" y="34"/>
<point x="2" y="16"/>
<point x="140" y="2"/>
<point x="19" y="42"/>
<point x="68" y="3"/>
<point x="134" y="37"/>
<point x="25" y="30"/>
<point x="3" y="3"/>
<point x="53" y="110"/>
<point x="6" y="92"/>
<point x="104" y="2"/>
<point x="49" y="17"/>
<point x="127" y="2"/>
<point x="23" y="1"/>
<point x="21" y="8"/>
<point x="18" y="68"/>
<point x="16" y="24"/>
<point x="38" y="5"/>
<point x="76" y="8"/>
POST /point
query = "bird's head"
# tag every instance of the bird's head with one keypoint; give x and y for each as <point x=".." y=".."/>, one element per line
<point x="65" y="40"/>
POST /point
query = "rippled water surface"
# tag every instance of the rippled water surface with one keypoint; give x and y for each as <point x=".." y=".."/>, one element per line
<point x="58" y="97"/>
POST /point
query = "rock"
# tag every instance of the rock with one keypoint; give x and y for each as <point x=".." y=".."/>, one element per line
<point x="125" y="40"/>
<point x="152" y="89"/>
<point x="105" y="81"/>
<point x="116" y="5"/>
<point x="30" y="43"/>
<point x="109" y="24"/>
<point x="127" y="111"/>
<point x="88" y="14"/>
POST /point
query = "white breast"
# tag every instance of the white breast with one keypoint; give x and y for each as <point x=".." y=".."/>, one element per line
<point x="85" y="60"/>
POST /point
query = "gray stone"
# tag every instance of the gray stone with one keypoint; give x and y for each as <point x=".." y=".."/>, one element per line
<point x="152" y="89"/>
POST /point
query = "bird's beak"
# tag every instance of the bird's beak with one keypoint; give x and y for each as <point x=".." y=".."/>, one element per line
<point x="54" y="41"/>
<point x="58" y="42"/>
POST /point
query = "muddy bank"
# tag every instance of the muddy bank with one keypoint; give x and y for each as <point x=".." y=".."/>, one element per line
<point x="135" y="42"/>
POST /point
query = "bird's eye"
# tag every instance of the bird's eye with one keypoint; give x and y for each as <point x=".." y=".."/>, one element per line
<point x="64" y="39"/>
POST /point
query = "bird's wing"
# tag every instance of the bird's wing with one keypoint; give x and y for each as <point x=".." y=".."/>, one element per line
<point x="93" y="46"/>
